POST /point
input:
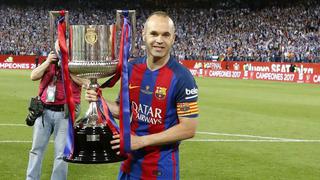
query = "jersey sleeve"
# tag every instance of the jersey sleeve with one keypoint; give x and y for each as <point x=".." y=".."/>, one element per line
<point x="187" y="97"/>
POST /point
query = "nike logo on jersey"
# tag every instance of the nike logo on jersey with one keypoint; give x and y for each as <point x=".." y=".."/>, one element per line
<point x="133" y="87"/>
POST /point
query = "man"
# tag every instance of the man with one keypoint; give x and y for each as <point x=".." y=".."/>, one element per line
<point x="53" y="120"/>
<point x="163" y="98"/>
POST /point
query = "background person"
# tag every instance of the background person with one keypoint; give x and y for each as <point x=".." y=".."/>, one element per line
<point x="53" y="120"/>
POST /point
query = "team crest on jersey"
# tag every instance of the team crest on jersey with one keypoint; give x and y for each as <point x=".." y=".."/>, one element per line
<point x="161" y="93"/>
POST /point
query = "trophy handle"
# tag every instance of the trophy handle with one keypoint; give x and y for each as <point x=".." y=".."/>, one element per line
<point x="131" y="16"/>
<point x="53" y="26"/>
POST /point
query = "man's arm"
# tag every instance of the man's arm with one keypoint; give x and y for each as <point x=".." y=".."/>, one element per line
<point x="38" y="72"/>
<point x="114" y="108"/>
<point x="184" y="130"/>
<point x="79" y="81"/>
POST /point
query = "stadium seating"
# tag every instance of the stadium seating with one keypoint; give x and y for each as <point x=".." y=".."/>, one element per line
<point x="279" y="34"/>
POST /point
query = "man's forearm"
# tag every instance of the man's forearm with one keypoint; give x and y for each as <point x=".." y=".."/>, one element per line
<point x="38" y="72"/>
<point x="114" y="108"/>
<point x="183" y="130"/>
<point x="79" y="81"/>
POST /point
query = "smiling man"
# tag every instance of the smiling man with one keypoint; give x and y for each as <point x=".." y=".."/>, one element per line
<point x="158" y="35"/>
<point x="164" y="108"/>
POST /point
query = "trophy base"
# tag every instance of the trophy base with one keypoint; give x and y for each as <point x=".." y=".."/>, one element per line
<point x="92" y="146"/>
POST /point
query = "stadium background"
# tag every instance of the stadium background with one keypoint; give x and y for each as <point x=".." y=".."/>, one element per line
<point x="248" y="129"/>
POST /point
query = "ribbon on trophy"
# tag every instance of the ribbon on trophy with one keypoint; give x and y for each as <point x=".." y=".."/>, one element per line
<point x="68" y="151"/>
<point x="125" y="47"/>
<point x="122" y="71"/>
<point x="104" y="115"/>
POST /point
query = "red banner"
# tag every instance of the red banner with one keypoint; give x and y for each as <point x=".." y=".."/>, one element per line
<point x="306" y="68"/>
<point x="19" y="62"/>
<point x="303" y="72"/>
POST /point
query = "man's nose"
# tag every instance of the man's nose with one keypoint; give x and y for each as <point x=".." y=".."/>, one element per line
<point x="159" y="39"/>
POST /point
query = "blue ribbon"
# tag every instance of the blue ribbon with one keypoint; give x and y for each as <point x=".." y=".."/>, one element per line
<point x="125" y="121"/>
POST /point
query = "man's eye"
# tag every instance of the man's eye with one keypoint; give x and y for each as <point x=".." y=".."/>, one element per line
<point x="166" y="35"/>
<point x="153" y="34"/>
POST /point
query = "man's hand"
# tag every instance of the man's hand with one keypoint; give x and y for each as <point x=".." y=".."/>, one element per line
<point x="38" y="72"/>
<point x="184" y="130"/>
<point x="137" y="142"/>
<point x="52" y="57"/>
<point x="91" y="95"/>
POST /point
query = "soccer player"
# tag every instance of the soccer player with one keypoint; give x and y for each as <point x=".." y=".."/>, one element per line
<point x="163" y="99"/>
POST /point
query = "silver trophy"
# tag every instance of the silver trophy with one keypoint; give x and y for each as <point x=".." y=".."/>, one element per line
<point x="93" y="55"/>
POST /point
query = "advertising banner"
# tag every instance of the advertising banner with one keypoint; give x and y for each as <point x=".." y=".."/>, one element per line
<point x="19" y="62"/>
<point x="271" y="71"/>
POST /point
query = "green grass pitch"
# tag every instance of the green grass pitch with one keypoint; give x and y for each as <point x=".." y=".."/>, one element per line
<point x="248" y="130"/>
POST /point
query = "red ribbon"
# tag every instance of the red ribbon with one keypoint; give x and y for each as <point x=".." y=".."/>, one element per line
<point x="64" y="62"/>
<point x="69" y="148"/>
<point x="105" y="116"/>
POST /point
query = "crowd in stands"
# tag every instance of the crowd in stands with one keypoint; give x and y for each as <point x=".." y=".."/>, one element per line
<point x="280" y="34"/>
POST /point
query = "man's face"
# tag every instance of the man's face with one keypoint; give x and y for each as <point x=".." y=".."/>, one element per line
<point x="158" y="36"/>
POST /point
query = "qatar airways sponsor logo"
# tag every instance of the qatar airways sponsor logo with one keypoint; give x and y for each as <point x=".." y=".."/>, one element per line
<point x="146" y="113"/>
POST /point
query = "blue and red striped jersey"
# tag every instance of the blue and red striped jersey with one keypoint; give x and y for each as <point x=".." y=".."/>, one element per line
<point x="158" y="98"/>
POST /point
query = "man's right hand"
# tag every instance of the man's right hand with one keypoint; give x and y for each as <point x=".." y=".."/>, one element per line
<point x="39" y="71"/>
<point x="52" y="57"/>
<point x="91" y="95"/>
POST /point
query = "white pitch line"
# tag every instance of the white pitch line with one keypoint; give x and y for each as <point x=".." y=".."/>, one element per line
<point x="245" y="135"/>
<point x="9" y="141"/>
<point x="255" y="140"/>
<point x="15" y="141"/>
<point x="260" y="138"/>
<point x="215" y="140"/>
<point x="13" y="125"/>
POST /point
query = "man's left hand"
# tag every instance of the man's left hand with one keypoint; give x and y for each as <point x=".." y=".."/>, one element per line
<point x="137" y="142"/>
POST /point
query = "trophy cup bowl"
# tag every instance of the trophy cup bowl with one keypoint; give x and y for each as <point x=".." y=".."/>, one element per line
<point x="91" y="57"/>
